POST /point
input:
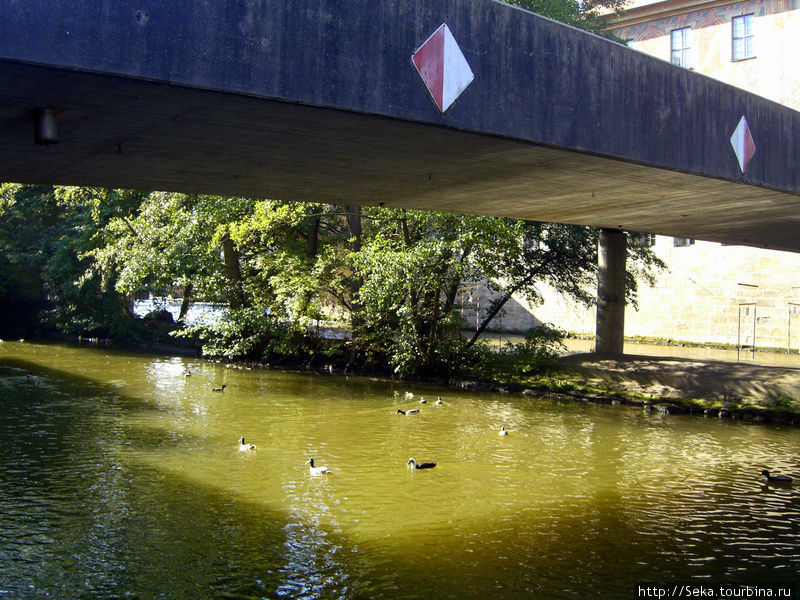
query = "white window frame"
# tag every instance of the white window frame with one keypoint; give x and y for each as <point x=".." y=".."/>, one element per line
<point x="681" y="47"/>
<point x="746" y="50"/>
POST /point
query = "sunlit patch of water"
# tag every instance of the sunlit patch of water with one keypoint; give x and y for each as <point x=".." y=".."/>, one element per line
<point x="122" y="474"/>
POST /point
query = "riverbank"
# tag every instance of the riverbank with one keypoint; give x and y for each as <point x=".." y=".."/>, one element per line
<point x="675" y="384"/>
<point x="705" y="381"/>
<point x="683" y="378"/>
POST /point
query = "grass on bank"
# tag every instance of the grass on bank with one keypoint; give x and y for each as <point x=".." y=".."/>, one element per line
<point x="533" y="364"/>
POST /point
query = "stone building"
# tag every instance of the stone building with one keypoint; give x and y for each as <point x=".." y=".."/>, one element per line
<point x="753" y="45"/>
<point x="711" y="292"/>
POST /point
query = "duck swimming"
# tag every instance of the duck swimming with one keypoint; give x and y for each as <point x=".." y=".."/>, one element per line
<point x="775" y="478"/>
<point x="245" y="447"/>
<point x="503" y="431"/>
<point x="439" y="401"/>
<point x="424" y="465"/>
<point x="219" y="389"/>
<point x="316" y="470"/>
<point x="412" y="411"/>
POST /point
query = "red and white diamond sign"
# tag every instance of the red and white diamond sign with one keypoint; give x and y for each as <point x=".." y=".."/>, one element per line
<point x="443" y="68"/>
<point x="743" y="144"/>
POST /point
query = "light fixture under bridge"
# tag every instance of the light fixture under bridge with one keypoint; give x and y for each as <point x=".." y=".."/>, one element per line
<point x="45" y="129"/>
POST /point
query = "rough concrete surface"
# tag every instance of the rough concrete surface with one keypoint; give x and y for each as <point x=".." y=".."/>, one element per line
<point x="666" y="377"/>
<point x="319" y="100"/>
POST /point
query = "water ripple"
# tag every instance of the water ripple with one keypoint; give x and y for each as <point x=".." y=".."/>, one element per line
<point x="126" y="479"/>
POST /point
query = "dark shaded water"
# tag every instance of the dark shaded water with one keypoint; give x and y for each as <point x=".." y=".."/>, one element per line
<point x="121" y="478"/>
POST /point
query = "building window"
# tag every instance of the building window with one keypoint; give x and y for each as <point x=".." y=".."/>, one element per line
<point x="681" y="48"/>
<point x="682" y="242"/>
<point x="743" y="46"/>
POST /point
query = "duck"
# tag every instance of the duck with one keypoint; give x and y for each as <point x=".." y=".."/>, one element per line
<point x="187" y="373"/>
<point x="424" y="465"/>
<point x="438" y="401"/>
<point x="412" y="411"/>
<point x="422" y="400"/>
<point x="219" y="389"/>
<point x="409" y="396"/>
<point x="503" y="431"/>
<point x="245" y="447"/>
<point x="316" y="470"/>
<point x="775" y="478"/>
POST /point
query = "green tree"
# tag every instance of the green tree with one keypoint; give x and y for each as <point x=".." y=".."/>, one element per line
<point x="413" y="264"/>
<point x="45" y="232"/>
<point x="410" y="267"/>
<point x="294" y="268"/>
<point x="174" y="242"/>
<point x="27" y="213"/>
<point x="562" y="256"/>
<point x="590" y="15"/>
<point x="295" y="258"/>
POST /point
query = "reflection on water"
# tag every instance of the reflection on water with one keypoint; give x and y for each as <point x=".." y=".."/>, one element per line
<point x="121" y="477"/>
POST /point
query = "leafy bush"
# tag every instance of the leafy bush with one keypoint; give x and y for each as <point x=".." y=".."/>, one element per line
<point x="244" y="333"/>
<point x="255" y="334"/>
<point x="561" y="385"/>
<point x="541" y="345"/>
<point x="782" y="402"/>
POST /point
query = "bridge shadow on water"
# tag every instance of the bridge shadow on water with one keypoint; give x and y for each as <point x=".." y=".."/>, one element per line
<point x="83" y="521"/>
<point x="85" y="517"/>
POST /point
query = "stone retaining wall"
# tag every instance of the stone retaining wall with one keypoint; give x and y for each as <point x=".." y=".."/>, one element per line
<point x="709" y="294"/>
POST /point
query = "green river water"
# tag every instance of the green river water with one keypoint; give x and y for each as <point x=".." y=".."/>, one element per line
<point x="121" y="477"/>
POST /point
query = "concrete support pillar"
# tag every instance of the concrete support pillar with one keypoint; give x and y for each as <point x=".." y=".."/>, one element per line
<point x="610" y="326"/>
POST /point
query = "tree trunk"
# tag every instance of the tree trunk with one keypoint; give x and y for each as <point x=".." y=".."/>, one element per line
<point x="452" y="293"/>
<point x="312" y="239"/>
<point x="406" y="234"/>
<point x="429" y="346"/>
<point x="354" y="226"/>
<point x="499" y="305"/>
<point x="233" y="273"/>
<point x="187" y="300"/>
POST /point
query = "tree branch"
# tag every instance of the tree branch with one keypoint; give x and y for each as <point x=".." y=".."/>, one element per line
<point x="497" y="306"/>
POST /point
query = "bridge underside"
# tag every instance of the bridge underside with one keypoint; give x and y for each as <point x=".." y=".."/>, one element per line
<point x="318" y="100"/>
<point x="127" y="133"/>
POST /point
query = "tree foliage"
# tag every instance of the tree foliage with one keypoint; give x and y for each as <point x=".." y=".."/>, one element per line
<point x="414" y="263"/>
<point x="283" y="269"/>
<point x="393" y="276"/>
<point x="44" y="234"/>
<point x="590" y="15"/>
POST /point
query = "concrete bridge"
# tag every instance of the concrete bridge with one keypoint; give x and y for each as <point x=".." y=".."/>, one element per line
<point x="500" y="112"/>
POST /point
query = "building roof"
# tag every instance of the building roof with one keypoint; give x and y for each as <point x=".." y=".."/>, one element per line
<point x="645" y="11"/>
